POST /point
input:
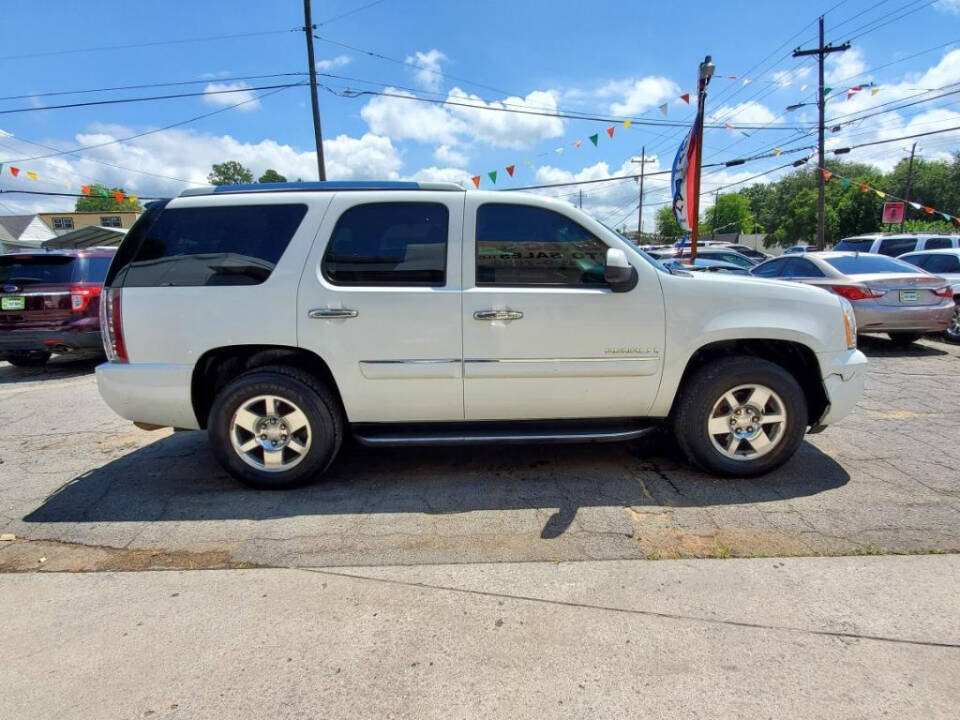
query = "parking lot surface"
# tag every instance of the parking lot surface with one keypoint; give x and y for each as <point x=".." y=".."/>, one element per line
<point x="82" y="489"/>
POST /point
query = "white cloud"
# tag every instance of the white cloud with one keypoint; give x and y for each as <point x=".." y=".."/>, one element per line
<point x="446" y="174"/>
<point x="447" y="155"/>
<point x="845" y="67"/>
<point x="950" y="6"/>
<point x="746" y="112"/>
<point x="792" y="77"/>
<point x="403" y="119"/>
<point x="638" y="96"/>
<point x="428" y="75"/>
<point x="333" y="63"/>
<point x="231" y="98"/>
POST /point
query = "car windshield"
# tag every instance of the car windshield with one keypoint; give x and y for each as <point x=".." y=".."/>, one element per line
<point x="867" y="264"/>
<point x="855" y="244"/>
<point x="24" y="269"/>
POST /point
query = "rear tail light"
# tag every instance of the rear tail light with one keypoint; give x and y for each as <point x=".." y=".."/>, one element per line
<point x="111" y="326"/>
<point x="944" y="292"/>
<point x="855" y="292"/>
<point x="80" y="297"/>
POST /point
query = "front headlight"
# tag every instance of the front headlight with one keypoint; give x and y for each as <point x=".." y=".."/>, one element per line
<point x="849" y="323"/>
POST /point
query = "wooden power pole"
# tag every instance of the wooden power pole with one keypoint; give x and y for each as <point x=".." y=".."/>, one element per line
<point x="308" y="28"/>
<point x="906" y="192"/>
<point x="821" y="51"/>
<point x="643" y="163"/>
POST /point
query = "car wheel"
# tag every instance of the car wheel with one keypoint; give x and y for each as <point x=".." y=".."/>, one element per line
<point x="952" y="333"/>
<point x="28" y="359"/>
<point x="904" y="339"/>
<point x="275" y="427"/>
<point x="740" y="416"/>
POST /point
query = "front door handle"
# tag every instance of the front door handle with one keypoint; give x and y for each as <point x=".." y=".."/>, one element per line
<point x="329" y="313"/>
<point x="497" y="315"/>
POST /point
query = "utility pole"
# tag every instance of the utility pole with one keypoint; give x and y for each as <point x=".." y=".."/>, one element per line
<point x="705" y="73"/>
<point x="643" y="164"/>
<point x="716" y="203"/>
<point x="308" y="29"/>
<point x="821" y="51"/>
<point x="906" y="193"/>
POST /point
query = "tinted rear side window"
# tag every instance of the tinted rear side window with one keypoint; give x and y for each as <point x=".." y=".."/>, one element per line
<point x="225" y="245"/>
<point x="395" y="243"/>
<point x="897" y="246"/>
<point x="855" y="244"/>
<point x="24" y="270"/>
<point x="937" y="243"/>
<point x="869" y="264"/>
<point x="942" y="264"/>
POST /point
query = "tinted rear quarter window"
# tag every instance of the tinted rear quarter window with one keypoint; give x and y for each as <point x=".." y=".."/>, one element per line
<point x="855" y="244"/>
<point x="867" y="264"/>
<point x="942" y="264"/>
<point x="394" y="243"/>
<point x="222" y="245"/>
<point x="937" y="243"/>
<point x="897" y="246"/>
<point x="35" y="269"/>
<point x="771" y="268"/>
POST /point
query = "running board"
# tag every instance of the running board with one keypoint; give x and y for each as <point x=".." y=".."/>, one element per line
<point x="498" y="433"/>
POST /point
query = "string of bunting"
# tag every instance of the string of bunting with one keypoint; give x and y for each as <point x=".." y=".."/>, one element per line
<point x="90" y="190"/>
<point x="864" y="187"/>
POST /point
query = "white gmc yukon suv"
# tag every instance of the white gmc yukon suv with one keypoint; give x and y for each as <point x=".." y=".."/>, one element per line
<point x="281" y="317"/>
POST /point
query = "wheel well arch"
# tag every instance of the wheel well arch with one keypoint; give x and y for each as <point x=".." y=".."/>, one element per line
<point x="218" y="366"/>
<point x="798" y="359"/>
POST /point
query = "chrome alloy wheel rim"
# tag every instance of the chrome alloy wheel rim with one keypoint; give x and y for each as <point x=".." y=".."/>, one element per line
<point x="747" y="422"/>
<point x="270" y="433"/>
<point x="953" y="329"/>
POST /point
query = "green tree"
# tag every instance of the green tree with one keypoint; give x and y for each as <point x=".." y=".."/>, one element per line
<point x="101" y="199"/>
<point x="229" y="173"/>
<point x="667" y="224"/>
<point x="271" y="176"/>
<point x="731" y="213"/>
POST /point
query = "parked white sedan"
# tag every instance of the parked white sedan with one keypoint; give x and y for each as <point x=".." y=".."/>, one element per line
<point x="946" y="264"/>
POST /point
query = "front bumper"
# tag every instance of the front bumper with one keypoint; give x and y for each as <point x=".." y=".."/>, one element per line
<point x="874" y="317"/>
<point x="844" y="375"/>
<point x="154" y="393"/>
<point x="55" y="341"/>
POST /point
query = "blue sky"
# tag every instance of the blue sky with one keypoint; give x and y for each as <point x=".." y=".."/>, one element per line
<point x="615" y="59"/>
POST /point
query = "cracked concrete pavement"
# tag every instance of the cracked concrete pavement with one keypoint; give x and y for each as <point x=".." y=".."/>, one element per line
<point x="83" y="489"/>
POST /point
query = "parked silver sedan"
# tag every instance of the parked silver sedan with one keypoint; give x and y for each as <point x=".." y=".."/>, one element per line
<point x="945" y="264"/>
<point x="887" y="295"/>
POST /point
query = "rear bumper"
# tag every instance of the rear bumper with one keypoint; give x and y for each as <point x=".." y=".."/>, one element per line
<point x="56" y="341"/>
<point x="844" y="375"/>
<point x="884" y="318"/>
<point x="153" y="393"/>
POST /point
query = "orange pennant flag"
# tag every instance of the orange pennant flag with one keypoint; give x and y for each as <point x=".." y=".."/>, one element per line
<point x="928" y="210"/>
<point x="510" y="169"/>
<point x="826" y="175"/>
<point x="864" y="187"/>
<point x="610" y="131"/>
<point x="686" y="98"/>
<point x="578" y="143"/>
<point x="85" y="189"/>
<point x="476" y="181"/>
<point x="118" y="196"/>
<point x="14" y="171"/>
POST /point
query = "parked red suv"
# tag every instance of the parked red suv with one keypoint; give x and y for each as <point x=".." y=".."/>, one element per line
<point x="50" y="303"/>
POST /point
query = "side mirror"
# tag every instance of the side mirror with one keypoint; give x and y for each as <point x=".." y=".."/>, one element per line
<point x="620" y="275"/>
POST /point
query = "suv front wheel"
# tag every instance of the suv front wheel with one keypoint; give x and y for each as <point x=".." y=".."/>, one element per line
<point x="275" y="427"/>
<point x="741" y="416"/>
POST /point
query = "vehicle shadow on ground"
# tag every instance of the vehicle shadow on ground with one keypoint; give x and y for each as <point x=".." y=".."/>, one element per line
<point x="881" y="346"/>
<point x="176" y="479"/>
<point x="58" y="368"/>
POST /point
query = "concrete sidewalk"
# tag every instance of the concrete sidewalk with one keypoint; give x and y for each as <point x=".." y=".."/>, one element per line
<point x="802" y="637"/>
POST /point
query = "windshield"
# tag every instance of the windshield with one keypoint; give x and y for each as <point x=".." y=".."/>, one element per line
<point x="656" y="263"/>
<point x="868" y="264"/>
<point x="24" y="269"/>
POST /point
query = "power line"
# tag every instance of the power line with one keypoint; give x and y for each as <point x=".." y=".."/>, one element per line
<point x="348" y="13"/>
<point x="146" y="99"/>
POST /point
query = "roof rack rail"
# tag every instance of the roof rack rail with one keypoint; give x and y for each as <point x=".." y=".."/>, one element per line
<point x="326" y="186"/>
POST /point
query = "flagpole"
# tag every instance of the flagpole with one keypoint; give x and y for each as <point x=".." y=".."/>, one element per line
<point x="706" y="72"/>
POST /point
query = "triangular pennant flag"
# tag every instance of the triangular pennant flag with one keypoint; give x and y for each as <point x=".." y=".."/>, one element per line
<point x="558" y="151"/>
<point x="916" y="206"/>
<point x="732" y="77"/>
<point x="776" y="152"/>
<point x="493" y="176"/>
<point x="880" y="193"/>
<point x="747" y="81"/>
<point x="510" y="169"/>
<point x="874" y="91"/>
<point x="864" y="187"/>
<point x="626" y="123"/>
<point x="827" y="91"/>
<point x="133" y="198"/>
<point x="578" y="143"/>
<point x="85" y="189"/>
<point x="594" y="138"/>
<point x="845" y="183"/>
<point x="103" y="192"/>
<point x="663" y="108"/>
<point x="803" y="88"/>
<point x="686" y="98"/>
<point x="945" y="216"/>
<point x="826" y="175"/>
<point x="853" y="91"/>
<point x="31" y="175"/>
<point x="928" y="210"/>
<point x="476" y="181"/>
<point x="728" y="126"/>
<point x="118" y="196"/>
<point x="14" y="171"/>
<point x="610" y="132"/>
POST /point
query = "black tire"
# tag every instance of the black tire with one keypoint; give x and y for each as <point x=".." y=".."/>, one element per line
<point x="28" y="359"/>
<point x="705" y="388"/>
<point x="952" y="333"/>
<point x="904" y="339"/>
<point x="316" y="401"/>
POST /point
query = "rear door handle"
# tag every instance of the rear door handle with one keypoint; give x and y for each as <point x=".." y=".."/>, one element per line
<point x="497" y="315"/>
<point x="332" y="313"/>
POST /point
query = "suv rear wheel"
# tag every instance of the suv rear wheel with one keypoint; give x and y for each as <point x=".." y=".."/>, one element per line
<point x="275" y="427"/>
<point x="741" y="416"/>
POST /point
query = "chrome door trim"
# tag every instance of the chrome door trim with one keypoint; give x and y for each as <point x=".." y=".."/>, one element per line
<point x="438" y="368"/>
<point x="329" y="313"/>
<point x="494" y="368"/>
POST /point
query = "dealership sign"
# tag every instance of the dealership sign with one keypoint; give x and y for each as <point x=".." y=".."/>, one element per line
<point x="893" y="212"/>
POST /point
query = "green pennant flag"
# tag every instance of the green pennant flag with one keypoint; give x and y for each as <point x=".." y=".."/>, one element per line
<point x="845" y="183"/>
<point x="493" y="176"/>
<point x="103" y="192"/>
<point x="945" y="216"/>
<point x="827" y="91"/>
<point x="594" y="138"/>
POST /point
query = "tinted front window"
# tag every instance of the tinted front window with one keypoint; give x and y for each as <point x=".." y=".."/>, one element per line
<point x="226" y="245"/>
<point x="396" y="243"/>
<point x="31" y="269"/>
<point x="523" y="245"/>
<point x="897" y="246"/>
<point x="868" y="264"/>
<point x="936" y="243"/>
<point x="771" y="268"/>
<point x="942" y="264"/>
<point x="855" y="244"/>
